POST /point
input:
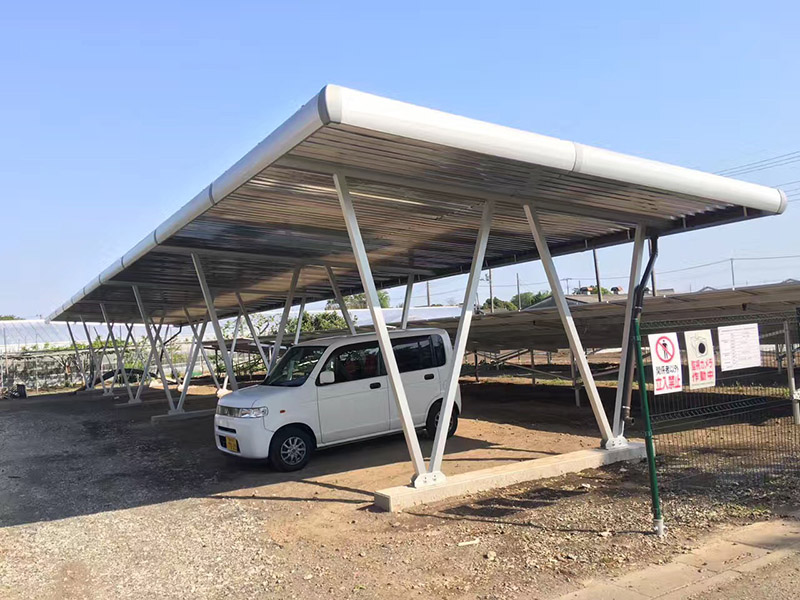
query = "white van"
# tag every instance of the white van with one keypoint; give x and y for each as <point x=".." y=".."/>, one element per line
<point x="332" y="391"/>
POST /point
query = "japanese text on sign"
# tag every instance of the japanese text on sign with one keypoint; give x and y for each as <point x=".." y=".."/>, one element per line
<point x="665" y="355"/>
<point x="739" y="347"/>
<point x="700" y="358"/>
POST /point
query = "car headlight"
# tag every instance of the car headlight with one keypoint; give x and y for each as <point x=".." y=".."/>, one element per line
<point x="248" y="413"/>
<point x="253" y="413"/>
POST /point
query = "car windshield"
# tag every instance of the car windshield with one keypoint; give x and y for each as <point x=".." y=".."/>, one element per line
<point x="296" y="365"/>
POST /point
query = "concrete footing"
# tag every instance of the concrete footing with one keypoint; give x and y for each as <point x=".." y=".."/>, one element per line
<point x="182" y="416"/>
<point x="400" y="498"/>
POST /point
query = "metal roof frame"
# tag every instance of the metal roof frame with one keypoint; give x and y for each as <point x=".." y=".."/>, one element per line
<point x="419" y="178"/>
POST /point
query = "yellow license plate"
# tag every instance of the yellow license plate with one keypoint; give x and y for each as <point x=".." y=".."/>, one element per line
<point x="232" y="444"/>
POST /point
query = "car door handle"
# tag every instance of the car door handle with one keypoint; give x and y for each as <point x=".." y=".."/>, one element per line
<point x="429" y="375"/>
<point x="375" y="386"/>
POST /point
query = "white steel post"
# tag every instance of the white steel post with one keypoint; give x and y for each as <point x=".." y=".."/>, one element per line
<point x="407" y="302"/>
<point x="203" y="353"/>
<point x="187" y="379"/>
<point x="78" y="359"/>
<point x="790" y="372"/>
<point x="212" y="315"/>
<point x="385" y="343"/>
<point x="462" y="333"/>
<point x="569" y="328"/>
<point x="233" y="350"/>
<point x="120" y="360"/>
<point x="300" y="314"/>
<point x="156" y="353"/>
<point x="533" y="367"/>
<point x="93" y="374"/>
<point x="253" y="331"/>
<point x="145" y="380"/>
<point x="575" y="387"/>
<point x="337" y="293"/>
<point x="276" y="347"/>
<point x="633" y="281"/>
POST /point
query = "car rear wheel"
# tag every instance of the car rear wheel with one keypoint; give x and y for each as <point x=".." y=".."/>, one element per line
<point x="433" y="420"/>
<point x="290" y="449"/>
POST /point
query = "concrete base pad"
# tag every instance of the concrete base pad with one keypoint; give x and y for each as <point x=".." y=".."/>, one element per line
<point x="189" y="414"/>
<point x="400" y="498"/>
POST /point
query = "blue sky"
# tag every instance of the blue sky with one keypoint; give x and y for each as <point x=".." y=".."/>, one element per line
<point x="114" y="116"/>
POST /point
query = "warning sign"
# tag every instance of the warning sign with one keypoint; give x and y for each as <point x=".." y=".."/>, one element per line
<point x="666" y="358"/>
<point x="700" y="358"/>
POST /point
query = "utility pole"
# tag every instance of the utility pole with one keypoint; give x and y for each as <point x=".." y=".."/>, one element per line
<point x="428" y="288"/>
<point x="597" y="276"/>
<point x="519" y="298"/>
<point x="491" y="293"/>
<point x="733" y="277"/>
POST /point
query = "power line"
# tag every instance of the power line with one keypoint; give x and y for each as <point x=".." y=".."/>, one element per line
<point x="761" y="165"/>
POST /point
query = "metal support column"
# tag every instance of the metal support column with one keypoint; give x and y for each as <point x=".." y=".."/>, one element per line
<point x="575" y="387"/>
<point x="253" y="331"/>
<point x="300" y="314"/>
<point x="385" y="343"/>
<point x="145" y="380"/>
<point x="78" y="359"/>
<point x="337" y="293"/>
<point x="627" y="346"/>
<point x="199" y="340"/>
<point x="462" y="333"/>
<point x="569" y="328"/>
<point x="212" y="315"/>
<point x="120" y="357"/>
<point x="407" y="302"/>
<point x="790" y="373"/>
<point x="276" y="347"/>
<point x="93" y="361"/>
<point x="230" y="374"/>
<point x="156" y="354"/>
<point x="192" y="358"/>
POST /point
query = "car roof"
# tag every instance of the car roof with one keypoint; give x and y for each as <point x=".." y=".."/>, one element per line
<point x="339" y="340"/>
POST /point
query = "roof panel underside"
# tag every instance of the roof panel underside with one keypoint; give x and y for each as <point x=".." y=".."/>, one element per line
<point x="289" y="215"/>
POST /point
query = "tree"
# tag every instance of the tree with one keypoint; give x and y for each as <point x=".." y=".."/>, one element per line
<point x="359" y="301"/>
<point x="10" y="318"/>
<point x="503" y="305"/>
<point x="526" y="299"/>
<point x="592" y="290"/>
<point x="316" y="322"/>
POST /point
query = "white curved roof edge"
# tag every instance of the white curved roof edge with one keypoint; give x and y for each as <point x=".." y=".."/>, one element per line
<point x="336" y="104"/>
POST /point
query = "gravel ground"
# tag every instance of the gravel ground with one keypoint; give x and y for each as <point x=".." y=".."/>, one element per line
<point x="97" y="503"/>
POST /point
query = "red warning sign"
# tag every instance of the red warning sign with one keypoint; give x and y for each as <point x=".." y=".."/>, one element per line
<point x="665" y="354"/>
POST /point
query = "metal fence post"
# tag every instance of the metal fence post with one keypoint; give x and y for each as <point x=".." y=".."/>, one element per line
<point x="790" y="372"/>
<point x="658" y="518"/>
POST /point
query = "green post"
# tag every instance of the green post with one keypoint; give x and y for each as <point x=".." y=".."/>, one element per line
<point x="658" y="519"/>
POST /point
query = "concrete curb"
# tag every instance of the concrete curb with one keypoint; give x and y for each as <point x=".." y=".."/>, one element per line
<point x="707" y="568"/>
<point x="402" y="497"/>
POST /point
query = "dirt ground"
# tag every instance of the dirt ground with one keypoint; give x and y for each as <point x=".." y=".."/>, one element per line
<point x="95" y="502"/>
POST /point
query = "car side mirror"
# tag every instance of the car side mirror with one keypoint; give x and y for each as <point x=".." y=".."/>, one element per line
<point x="327" y="377"/>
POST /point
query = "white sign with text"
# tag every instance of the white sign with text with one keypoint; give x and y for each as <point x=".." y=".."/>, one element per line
<point x="739" y="347"/>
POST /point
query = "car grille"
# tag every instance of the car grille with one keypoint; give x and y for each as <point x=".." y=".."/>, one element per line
<point x="228" y="429"/>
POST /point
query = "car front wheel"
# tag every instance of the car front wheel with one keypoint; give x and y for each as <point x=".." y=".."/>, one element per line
<point x="290" y="449"/>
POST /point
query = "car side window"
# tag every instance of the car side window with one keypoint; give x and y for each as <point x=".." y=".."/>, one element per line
<point x="414" y="353"/>
<point x="439" y="355"/>
<point x="352" y="363"/>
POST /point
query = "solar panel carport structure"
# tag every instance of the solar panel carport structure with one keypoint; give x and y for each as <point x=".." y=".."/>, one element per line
<point x="356" y="192"/>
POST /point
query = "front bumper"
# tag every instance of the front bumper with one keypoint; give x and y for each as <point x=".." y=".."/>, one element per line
<point x="251" y="434"/>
